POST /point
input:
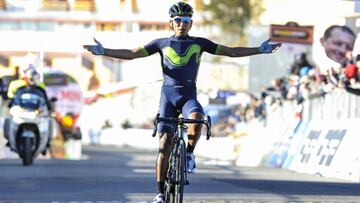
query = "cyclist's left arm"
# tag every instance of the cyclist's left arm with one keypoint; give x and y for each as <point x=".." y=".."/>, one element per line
<point x="236" y="51"/>
<point x="265" y="48"/>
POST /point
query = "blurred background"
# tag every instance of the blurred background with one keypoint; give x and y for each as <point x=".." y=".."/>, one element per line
<point x="235" y="92"/>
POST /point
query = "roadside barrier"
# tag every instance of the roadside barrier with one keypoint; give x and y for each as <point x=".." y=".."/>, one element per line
<point x="325" y="142"/>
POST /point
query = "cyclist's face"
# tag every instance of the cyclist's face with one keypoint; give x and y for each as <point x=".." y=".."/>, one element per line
<point x="338" y="45"/>
<point x="181" y="25"/>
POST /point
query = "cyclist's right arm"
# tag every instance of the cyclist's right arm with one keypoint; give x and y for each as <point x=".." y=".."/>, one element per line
<point x="128" y="54"/>
<point x="125" y="53"/>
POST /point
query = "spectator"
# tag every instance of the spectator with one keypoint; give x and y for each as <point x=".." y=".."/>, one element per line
<point x="260" y="111"/>
<point x="278" y="88"/>
<point x="300" y="65"/>
<point x="352" y="84"/>
<point x="337" y="42"/>
<point x="351" y="71"/>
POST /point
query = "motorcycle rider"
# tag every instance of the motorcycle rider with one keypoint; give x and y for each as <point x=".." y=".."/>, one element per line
<point x="29" y="78"/>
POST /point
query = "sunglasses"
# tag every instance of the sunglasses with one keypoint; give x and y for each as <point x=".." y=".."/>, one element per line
<point x="185" y="20"/>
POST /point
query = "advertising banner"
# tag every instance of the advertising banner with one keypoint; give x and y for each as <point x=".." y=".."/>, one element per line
<point x="328" y="149"/>
<point x="292" y="33"/>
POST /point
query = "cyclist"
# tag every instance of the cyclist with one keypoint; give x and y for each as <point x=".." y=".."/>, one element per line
<point x="180" y="60"/>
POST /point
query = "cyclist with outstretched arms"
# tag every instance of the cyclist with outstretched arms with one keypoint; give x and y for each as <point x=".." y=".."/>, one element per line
<point x="180" y="60"/>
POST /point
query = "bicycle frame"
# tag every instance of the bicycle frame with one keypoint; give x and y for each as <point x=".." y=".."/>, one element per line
<point x="177" y="176"/>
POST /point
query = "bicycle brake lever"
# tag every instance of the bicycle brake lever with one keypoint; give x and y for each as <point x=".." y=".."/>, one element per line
<point x="154" y="131"/>
<point x="209" y="121"/>
<point x="208" y="134"/>
<point x="155" y="124"/>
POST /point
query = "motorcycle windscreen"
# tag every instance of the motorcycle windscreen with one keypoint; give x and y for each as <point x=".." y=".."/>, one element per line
<point x="30" y="99"/>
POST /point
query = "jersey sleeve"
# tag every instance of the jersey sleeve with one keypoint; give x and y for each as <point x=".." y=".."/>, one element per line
<point x="208" y="45"/>
<point x="151" y="47"/>
<point x="14" y="86"/>
<point x="42" y="85"/>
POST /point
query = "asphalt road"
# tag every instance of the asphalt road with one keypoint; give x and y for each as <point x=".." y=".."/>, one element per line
<point x="109" y="174"/>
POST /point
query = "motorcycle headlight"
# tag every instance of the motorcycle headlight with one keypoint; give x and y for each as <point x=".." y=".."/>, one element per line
<point x="67" y="121"/>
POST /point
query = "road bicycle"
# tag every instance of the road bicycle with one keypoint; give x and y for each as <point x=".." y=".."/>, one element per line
<point x="177" y="177"/>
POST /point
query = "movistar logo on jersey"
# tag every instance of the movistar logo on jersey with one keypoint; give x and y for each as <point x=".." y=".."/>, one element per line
<point x="181" y="60"/>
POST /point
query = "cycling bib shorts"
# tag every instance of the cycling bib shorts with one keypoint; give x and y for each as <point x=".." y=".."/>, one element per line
<point x="176" y="100"/>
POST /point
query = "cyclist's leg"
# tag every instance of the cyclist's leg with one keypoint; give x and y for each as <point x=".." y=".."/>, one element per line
<point x="165" y="144"/>
<point x="193" y="110"/>
<point x="166" y="132"/>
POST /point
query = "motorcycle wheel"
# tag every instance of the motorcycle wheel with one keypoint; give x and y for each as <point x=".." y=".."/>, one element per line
<point x="6" y="128"/>
<point x="27" y="156"/>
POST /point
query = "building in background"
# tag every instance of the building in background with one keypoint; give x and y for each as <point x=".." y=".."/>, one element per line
<point x="55" y="30"/>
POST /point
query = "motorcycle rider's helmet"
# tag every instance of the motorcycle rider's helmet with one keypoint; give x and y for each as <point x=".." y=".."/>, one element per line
<point x="181" y="9"/>
<point x="31" y="76"/>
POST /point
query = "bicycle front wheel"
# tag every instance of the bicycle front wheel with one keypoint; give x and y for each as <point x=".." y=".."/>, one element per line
<point x="170" y="179"/>
<point x="180" y="171"/>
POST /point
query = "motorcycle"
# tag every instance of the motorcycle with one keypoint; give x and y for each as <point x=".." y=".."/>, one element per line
<point x="29" y="129"/>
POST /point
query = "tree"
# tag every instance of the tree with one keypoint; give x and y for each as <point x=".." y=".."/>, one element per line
<point x="232" y="16"/>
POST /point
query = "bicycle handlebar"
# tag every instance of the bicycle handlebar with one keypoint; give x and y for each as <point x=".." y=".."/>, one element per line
<point x="181" y="121"/>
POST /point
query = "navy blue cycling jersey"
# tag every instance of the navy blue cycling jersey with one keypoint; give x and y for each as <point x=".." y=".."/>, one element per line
<point x="180" y="60"/>
<point x="180" y="57"/>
